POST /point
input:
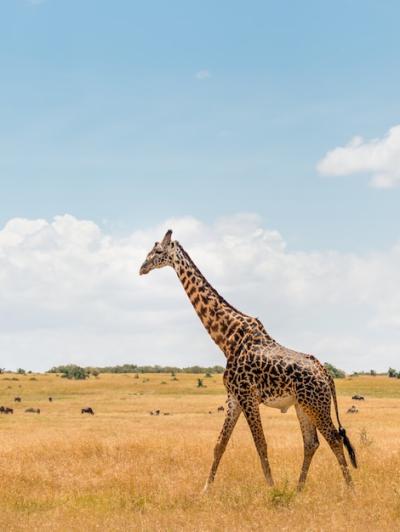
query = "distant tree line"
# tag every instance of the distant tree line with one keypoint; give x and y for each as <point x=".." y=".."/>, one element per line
<point x="72" y="371"/>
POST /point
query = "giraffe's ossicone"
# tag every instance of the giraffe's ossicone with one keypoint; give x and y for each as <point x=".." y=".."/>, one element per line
<point x="258" y="369"/>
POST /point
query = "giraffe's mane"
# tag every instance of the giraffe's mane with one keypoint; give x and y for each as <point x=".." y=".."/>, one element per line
<point x="196" y="269"/>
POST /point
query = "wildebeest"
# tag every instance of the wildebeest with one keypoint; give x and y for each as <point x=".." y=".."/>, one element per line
<point x="17" y="399"/>
<point x="358" y="398"/>
<point x="220" y="409"/>
<point x="50" y="399"/>
<point x="352" y="410"/>
<point x="33" y="410"/>
<point x="87" y="410"/>
<point x="6" y="410"/>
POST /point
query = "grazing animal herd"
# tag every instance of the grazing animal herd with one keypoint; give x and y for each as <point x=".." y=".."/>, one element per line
<point x="31" y="410"/>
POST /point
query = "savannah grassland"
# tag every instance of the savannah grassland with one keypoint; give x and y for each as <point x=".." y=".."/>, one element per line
<point x="124" y="469"/>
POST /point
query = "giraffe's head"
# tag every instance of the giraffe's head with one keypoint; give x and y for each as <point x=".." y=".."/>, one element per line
<point x="160" y="255"/>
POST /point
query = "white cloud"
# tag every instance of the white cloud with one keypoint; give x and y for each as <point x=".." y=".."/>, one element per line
<point x="70" y="292"/>
<point x="202" y="74"/>
<point x="379" y="157"/>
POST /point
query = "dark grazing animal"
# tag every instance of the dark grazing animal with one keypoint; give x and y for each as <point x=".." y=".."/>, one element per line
<point x="220" y="409"/>
<point x="6" y="410"/>
<point x="33" y="410"/>
<point x="87" y="410"/>
<point x="358" y="398"/>
<point x="50" y="399"/>
<point x="352" y="410"/>
<point x="17" y="399"/>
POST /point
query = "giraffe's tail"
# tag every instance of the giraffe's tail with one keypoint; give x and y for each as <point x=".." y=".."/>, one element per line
<point x="342" y="432"/>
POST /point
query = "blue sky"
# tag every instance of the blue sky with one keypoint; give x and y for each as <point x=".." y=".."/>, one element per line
<point x="120" y="119"/>
<point x="102" y="115"/>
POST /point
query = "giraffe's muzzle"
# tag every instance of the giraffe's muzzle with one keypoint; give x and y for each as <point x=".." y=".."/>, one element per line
<point x="145" y="268"/>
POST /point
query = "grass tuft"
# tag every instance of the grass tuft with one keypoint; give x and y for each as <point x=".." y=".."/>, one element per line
<point x="282" y="496"/>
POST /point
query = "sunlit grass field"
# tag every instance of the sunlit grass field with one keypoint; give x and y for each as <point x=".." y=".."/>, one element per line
<point x="124" y="469"/>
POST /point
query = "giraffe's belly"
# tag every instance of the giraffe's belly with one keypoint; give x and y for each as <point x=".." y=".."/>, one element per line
<point x="282" y="403"/>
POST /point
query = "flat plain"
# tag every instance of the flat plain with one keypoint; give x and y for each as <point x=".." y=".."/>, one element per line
<point x="125" y="469"/>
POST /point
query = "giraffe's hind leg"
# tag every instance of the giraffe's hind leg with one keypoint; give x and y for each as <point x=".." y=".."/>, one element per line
<point x="324" y="423"/>
<point x="232" y="415"/>
<point x="311" y="443"/>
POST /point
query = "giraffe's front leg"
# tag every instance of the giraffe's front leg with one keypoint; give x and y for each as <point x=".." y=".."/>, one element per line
<point x="232" y="415"/>
<point x="251" y="410"/>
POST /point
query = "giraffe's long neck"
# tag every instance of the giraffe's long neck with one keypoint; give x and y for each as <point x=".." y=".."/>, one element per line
<point x="226" y="325"/>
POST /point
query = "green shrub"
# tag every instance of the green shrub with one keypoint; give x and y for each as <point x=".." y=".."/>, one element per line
<point x="334" y="372"/>
<point x="72" y="371"/>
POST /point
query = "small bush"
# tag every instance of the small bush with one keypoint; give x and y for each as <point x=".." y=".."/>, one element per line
<point x="71" y="371"/>
<point x="336" y="373"/>
<point x="282" y="497"/>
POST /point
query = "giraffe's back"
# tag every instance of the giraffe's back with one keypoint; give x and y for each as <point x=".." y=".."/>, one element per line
<point x="279" y="376"/>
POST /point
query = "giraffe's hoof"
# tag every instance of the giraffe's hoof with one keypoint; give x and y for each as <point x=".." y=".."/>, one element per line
<point x="350" y="487"/>
<point x="205" y="489"/>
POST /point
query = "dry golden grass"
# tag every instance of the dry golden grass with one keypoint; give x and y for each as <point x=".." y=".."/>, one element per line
<point x="123" y="469"/>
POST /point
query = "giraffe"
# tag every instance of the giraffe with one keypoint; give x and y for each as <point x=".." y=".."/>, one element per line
<point x="258" y="370"/>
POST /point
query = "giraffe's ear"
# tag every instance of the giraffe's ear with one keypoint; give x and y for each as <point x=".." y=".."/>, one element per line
<point x="167" y="238"/>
